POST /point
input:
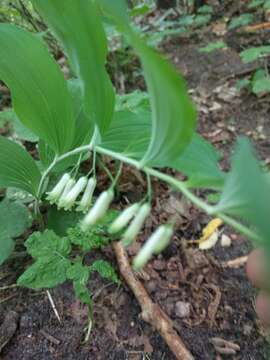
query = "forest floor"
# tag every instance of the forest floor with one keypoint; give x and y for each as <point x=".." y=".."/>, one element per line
<point x="204" y="295"/>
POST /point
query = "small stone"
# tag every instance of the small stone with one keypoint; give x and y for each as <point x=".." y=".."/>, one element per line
<point x="247" y="329"/>
<point x="182" y="309"/>
<point x="228" y="309"/>
<point x="226" y="241"/>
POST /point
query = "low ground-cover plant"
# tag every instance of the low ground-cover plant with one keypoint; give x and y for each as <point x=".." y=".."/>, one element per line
<point x="259" y="82"/>
<point x="82" y="118"/>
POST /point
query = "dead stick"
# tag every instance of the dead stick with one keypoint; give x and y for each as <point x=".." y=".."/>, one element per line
<point x="236" y="263"/>
<point x="257" y="27"/>
<point x="151" y="312"/>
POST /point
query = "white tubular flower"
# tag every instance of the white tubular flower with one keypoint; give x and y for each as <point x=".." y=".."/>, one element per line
<point x="136" y="225"/>
<point x="86" y="200"/>
<point x="54" y="195"/>
<point x="68" y="187"/>
<point x="69" y="200"/>
<point x="124" y="218"/>
<point x="157" y="242"/>
<point x="98" y="211"/>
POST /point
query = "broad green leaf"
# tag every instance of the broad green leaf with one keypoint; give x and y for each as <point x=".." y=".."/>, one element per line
<point x="140" y="9"/>
<point x="246" y="192"/>
<point x="205" y="9"/>
<point x="173" y="115"/>
<point x="46" y="272"/>
<point x="17" y="168"/>
<point x="60" y="221"/>
<point x="242" y="83"/>
<point x="241" y="20"/>
<point x="130" y="134"/>
<point x="20" y="131"/>
<point x="77" y="24"/>
<point x="84" y="127"/>
<point x="47" y="243"/>
<point x="157" y="36"/>
<point x="262" y="85"/>
<point x="135" y="102"/>
<point x="14" y="220"/>
<point x="200" y="163"/>
<point x="39" y="92"/>
<point x="6" y="246"/>
<point x="266" y="5"/>
<point x="186" y="20"/>
<point x="260" y="82"/>
<point x="47" y="155"/>
<point x="51" y="265"/>
<point x="213" y="46"/>
<point x="202" y="20"/>
<point x="254" y="53"/>
<point x="115" y="9"/>
<point x="255" y="3"/>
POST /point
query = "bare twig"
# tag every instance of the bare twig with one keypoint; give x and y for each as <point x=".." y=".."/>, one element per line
<point x="236" y="263"/>
<point x="151" y="312"/>
<point x="49" y="337"/>
<point x="2" y="301"/>
<point x="257" y="27"/>
<point x="225" y="347"/>
<point x="53" y="306"/>
<point x="8" y="287"/>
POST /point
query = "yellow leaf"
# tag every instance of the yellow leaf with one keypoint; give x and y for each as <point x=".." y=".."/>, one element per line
<point x="210" y="242"/>
<point x="210" y="229"/>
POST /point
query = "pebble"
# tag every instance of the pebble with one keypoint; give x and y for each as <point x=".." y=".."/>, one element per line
<point x="226" y="241"/>
<point x="182" y="309"/>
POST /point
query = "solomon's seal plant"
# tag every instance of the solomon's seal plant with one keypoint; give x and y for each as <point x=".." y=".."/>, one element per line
<point x="83" y="118"/>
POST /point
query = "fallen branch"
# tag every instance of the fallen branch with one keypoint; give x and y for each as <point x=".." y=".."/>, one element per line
<point x="151" y="312"/>
<point x="257" y="27"/>
<point x="236" y="263"/>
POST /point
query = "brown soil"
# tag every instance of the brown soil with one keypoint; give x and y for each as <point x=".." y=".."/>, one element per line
<point x="204" y="298"/>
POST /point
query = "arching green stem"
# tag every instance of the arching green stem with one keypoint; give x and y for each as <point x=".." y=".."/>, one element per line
<point x="176" y="184"/>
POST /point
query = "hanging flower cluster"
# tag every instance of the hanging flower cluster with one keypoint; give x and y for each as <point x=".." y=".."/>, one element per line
<point x="131" y="221"/>
<point x="67" y="191"/>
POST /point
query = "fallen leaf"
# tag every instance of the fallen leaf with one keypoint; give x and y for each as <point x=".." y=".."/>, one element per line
<point x="212" y="226"/>
<point x="210" y="242"/>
